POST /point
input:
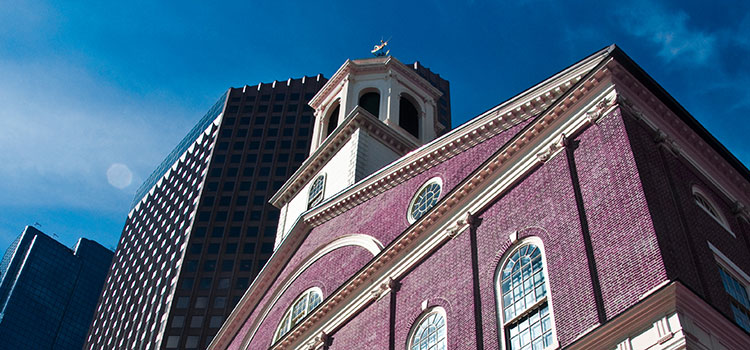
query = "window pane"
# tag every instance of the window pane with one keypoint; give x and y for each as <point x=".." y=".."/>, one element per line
<point x="522" y="288"/>
<point x="430" y="333"/>
<point x="301" y="307"/>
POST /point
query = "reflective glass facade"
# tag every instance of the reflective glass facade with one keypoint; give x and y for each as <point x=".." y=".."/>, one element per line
<point x="48" y="292"/>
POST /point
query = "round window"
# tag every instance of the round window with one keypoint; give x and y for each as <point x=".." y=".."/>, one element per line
<point x="427" y="196"/>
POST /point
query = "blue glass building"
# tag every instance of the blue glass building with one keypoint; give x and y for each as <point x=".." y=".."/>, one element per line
<point x="48" y="292"/>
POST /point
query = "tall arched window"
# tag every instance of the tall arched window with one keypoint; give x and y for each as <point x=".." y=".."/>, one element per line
<point x="371" y="103"/>
<point x="525" y="312"/>
<point x="429" y="332"/>
<point x="333" y="121"/>
<point x="299" y="309"/>
<point x="408" y="116"/>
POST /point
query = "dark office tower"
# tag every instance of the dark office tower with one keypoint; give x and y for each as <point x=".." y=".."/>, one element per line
<point x="443" y="118"/>
<point x="201" y="227"/>
<point x="48" y="292"/>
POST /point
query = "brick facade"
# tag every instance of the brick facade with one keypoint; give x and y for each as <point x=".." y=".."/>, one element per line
<point x="612" y="208"/>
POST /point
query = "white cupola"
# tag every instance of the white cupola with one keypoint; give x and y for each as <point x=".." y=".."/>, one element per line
<point x="369" y="114"/>
<point x="386" y="88"/>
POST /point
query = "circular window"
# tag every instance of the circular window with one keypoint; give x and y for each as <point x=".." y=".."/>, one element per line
<point x="427" y="196"/>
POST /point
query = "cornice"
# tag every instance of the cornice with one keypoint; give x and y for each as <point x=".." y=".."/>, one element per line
<point x="331" y="84"/>
<point x="671" y="131"/>
<point x="671" y="298"/>
<point x="359" y="118"/>
<point x="368" y="66"/>
<point x="527" y="104"/>
<point x="486" y="126"/>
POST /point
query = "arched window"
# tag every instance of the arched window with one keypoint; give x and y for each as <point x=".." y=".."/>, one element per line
<point x="316" y="191"/>
<point x="525" y="316"/>
<point x="429" y="332"/>
<point x="427" y="196"/>
<point x="371" y="102"/>
<point x="702" y="201"/>
<point x="299" y="309"/>
<point x="333" y="120"/>
<point x="408" y="116"/>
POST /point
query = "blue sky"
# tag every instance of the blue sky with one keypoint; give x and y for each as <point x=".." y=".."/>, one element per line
<point x="104" y="88"/>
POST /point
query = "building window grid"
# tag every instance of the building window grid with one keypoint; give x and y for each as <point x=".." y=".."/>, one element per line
<point x="527" y="322"/>
<point x="155" y="203"/>
<point x="740" y="303"/>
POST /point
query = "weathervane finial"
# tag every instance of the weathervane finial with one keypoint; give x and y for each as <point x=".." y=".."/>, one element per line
<point x="380" y="50"/>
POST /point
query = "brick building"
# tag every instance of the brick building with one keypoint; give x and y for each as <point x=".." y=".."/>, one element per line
<point x="591" y="211"/>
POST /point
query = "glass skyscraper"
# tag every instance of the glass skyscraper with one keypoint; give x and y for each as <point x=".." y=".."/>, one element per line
<point x="48" y="292"/>
<point x="200" y="228"/>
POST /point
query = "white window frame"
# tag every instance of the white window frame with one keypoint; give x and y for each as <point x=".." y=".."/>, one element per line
<point x="435" y="180"/>
<point x="703" y="201"/>
<point x="311" y="202"/>
<point x="501" y="322"/>
<point x="422" y="318"/>
<point x="286" y="316"/>
<point x="733" y="270"/>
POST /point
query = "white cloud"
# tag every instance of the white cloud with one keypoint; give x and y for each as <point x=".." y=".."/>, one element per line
<point x="670" y="30"/>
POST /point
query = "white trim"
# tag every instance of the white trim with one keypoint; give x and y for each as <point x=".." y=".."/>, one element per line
<point x="501" y="323"/>
<point x="421" y="318"/>
<point x="290" y="308"/>
<point x="435" y="180"/>
<point x="722" y="259"/>
<point x="490" y="123"/>
<point x="319" y="197"/>
<point x="371" y="244"/>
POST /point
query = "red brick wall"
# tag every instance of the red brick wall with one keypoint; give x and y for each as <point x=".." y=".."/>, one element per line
<point x="684" y="229"/>
<point x="542" y="205"/>
<point x="625" y="247"/>
<point x="644" y="227"/>
<point x="383" y="217"/>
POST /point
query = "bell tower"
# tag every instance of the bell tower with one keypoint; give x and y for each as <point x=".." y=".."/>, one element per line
<point x="369" y="114"/>
<point x="384" y="87"/>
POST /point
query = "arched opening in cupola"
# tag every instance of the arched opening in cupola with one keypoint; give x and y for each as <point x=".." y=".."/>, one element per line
<point x="333" y="120"/>
<point x="370" y="101"/>
<point x="408" y="116"/>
